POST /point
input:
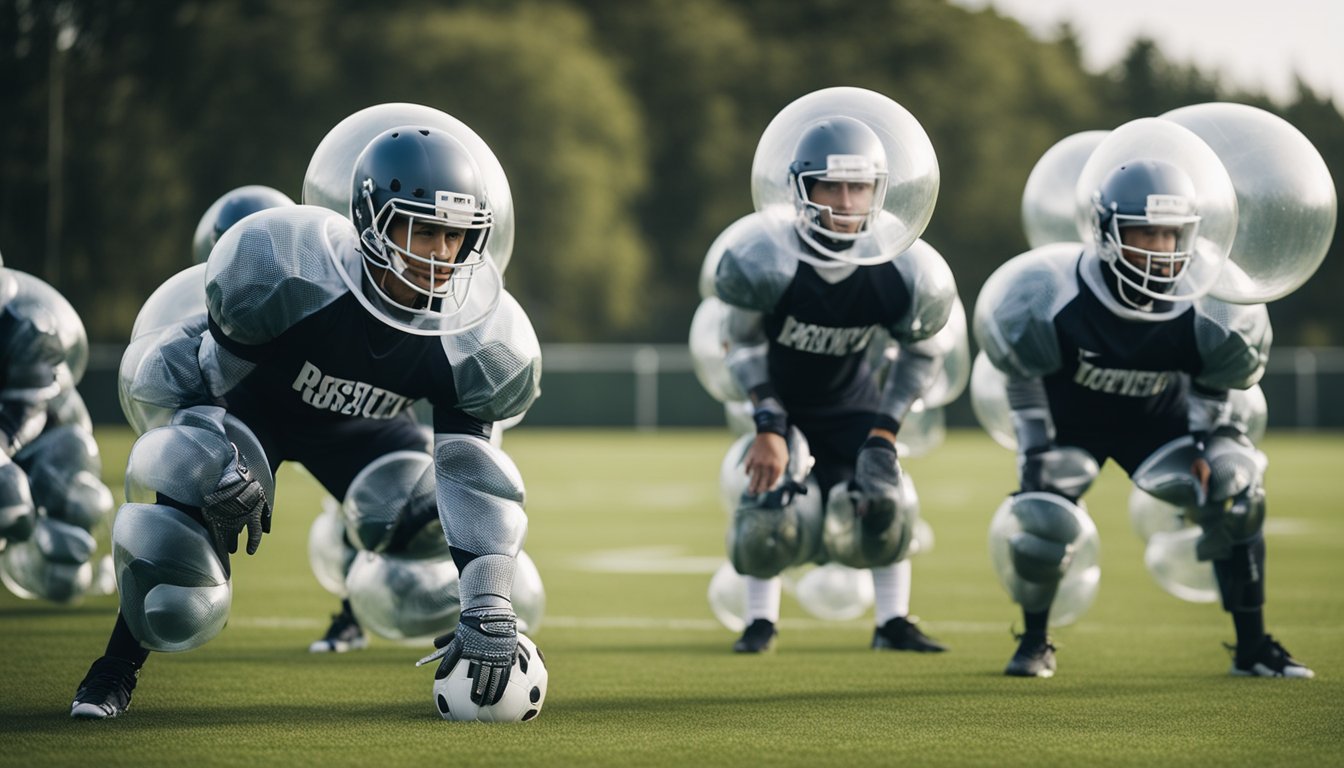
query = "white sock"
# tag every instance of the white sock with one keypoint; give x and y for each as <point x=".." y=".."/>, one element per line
<point x="891" y="592"/>
<point x="763" y="599"/>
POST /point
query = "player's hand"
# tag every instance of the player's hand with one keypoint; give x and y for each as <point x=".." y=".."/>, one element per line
<point x="487" y="639"/>
<point x="238" y="502"/>
<point x="1201" y="470"/>
<point x="765" y="462"/>
<point x="877" y="479"/>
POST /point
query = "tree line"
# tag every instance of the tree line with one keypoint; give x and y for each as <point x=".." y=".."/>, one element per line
<point x="627" y="129"/>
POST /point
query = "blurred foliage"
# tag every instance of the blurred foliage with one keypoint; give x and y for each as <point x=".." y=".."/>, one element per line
<point x="627" y="129"/>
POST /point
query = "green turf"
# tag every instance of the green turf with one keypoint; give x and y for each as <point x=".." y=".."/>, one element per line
<point x="641" y="674"/>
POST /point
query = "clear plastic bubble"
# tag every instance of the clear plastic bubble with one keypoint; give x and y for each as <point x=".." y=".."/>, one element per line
<point x="1047" y="199"/>
<point x="1082" y="578"/>
<point x="989" y="401"/>
<point x="1152" y="138"/>
<point x="403" y="599"/>
<point x="1170" y="558"/>
<point x="1286" y="200"/>
<point x="328" y="554"/>
<point x="922" y="431"/>
<point x="708" y="344"/>
<point x="912" y="167"/>
<point x="1149" y="515"/>
<point x="327" y="182"/>
<point x="835" y="592"/>
<point x="528" y="596"/>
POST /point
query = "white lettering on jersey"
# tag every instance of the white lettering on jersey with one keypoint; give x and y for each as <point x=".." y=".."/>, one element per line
<point x="347" y="397"/>
<point x="1120" y="381"/>
<point x="822" y="340"/>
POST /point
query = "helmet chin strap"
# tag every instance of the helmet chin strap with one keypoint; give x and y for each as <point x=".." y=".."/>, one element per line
<point x="1126" y="293"/>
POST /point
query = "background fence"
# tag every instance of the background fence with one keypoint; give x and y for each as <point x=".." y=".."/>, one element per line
<point x="647" y="386"/>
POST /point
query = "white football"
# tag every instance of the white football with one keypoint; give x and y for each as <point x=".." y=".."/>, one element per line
<point x="523" y="694"/>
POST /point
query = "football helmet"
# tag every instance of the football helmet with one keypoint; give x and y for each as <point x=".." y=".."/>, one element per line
<point x="1146" y="193"/>
<point x="420" y="175"/>
<point x="231" y="208"/>
<point x="843" y="150"/>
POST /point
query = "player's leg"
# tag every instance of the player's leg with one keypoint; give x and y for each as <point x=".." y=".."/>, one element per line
<point x="762" y="615"/>
<point x="1035" y="545"/>
<point x="174" y="585"/>
<point x="369" y="449"/>
<point x="1231" y="520"/>
<point x="836" y="439"/>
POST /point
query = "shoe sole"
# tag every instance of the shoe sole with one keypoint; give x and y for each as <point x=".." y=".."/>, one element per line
<point x="326" y="646"/>
<point x="85" y="711"/>
<point x="1260" y="670"/>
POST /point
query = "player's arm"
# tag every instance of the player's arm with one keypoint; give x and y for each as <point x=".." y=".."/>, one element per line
<point x="496" y="370"/>
<point x="747" y="361"/>
<point x="751" y="278"/>
<point x="1233" y="342"/>
<point x="923" y="345"/>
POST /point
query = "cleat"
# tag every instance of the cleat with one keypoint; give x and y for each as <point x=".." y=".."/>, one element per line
<point x="343" y="635"/>
<point x="106" y="690"/>
<point x="1035" y="657"/>
<point x="1269" y="660"/>
<point x="902" y="634"/>
<point x="758" y="637"/>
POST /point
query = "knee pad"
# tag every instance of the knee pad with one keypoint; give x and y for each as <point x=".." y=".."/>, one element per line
<point x="1042" y="545"/>
<point x="18" y="516"/>
<point x="185" y="459"/>
<point x="778" y="530"/>
<point x="870" y="541"/>
<point x="391" y="506"/>
<point x="175" y="595"/>
<point x="53" y="564"/>
<point x="63" y="469"/>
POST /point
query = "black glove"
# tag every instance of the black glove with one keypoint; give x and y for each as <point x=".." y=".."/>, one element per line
<point x="877" y="479"/>
<point x="238" y="502"/>
<point x="488" y="639"/>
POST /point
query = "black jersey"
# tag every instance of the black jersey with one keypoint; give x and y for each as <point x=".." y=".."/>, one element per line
<point x="819" y="334"/>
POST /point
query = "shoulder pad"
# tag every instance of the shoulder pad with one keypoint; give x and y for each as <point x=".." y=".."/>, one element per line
<point x="1233" y="342"/>
<point x="1014" y="315"/>
<point x="758" y="263"/>
<point x="496" y="365"/>
<point x="932" y="292"/>
<point x="275" y="268"/>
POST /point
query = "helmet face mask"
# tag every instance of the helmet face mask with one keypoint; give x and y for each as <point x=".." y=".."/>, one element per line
<point x="389" y="246"/>
<point x="1146" y="226"/>
<point x="838" y="179"/>
<point x="416" y="191"/>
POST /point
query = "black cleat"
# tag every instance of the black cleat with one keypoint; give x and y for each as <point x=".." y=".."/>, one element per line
<point x="1035" y="657"/>
<point x="1268" y="660"/>
<point x="106" y="689"/>
<point x="901" y="634"/>
<point x="758" y="637"/>
<point x="343" y="635"/>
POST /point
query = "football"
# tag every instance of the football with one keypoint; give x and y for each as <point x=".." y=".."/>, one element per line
<point x="523" y="694"/>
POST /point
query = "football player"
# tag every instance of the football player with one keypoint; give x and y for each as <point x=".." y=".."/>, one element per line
<point x="807" y="296"/>
<point x="232" y="207"/>
<point x="51" y="494"/>
<point x="322" y="329"/>
<point x="1117" y="354"/>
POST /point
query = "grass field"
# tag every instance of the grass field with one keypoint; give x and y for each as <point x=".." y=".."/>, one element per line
<point x="626" y="529"/>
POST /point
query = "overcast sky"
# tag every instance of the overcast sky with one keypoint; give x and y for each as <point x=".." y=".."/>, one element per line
<point x="1256" y="44"/>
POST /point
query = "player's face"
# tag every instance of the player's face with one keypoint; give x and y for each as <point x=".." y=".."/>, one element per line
<point x="849" y="201"/>
<point x="428" y="241"/>
<point x="1155" y="239"/>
